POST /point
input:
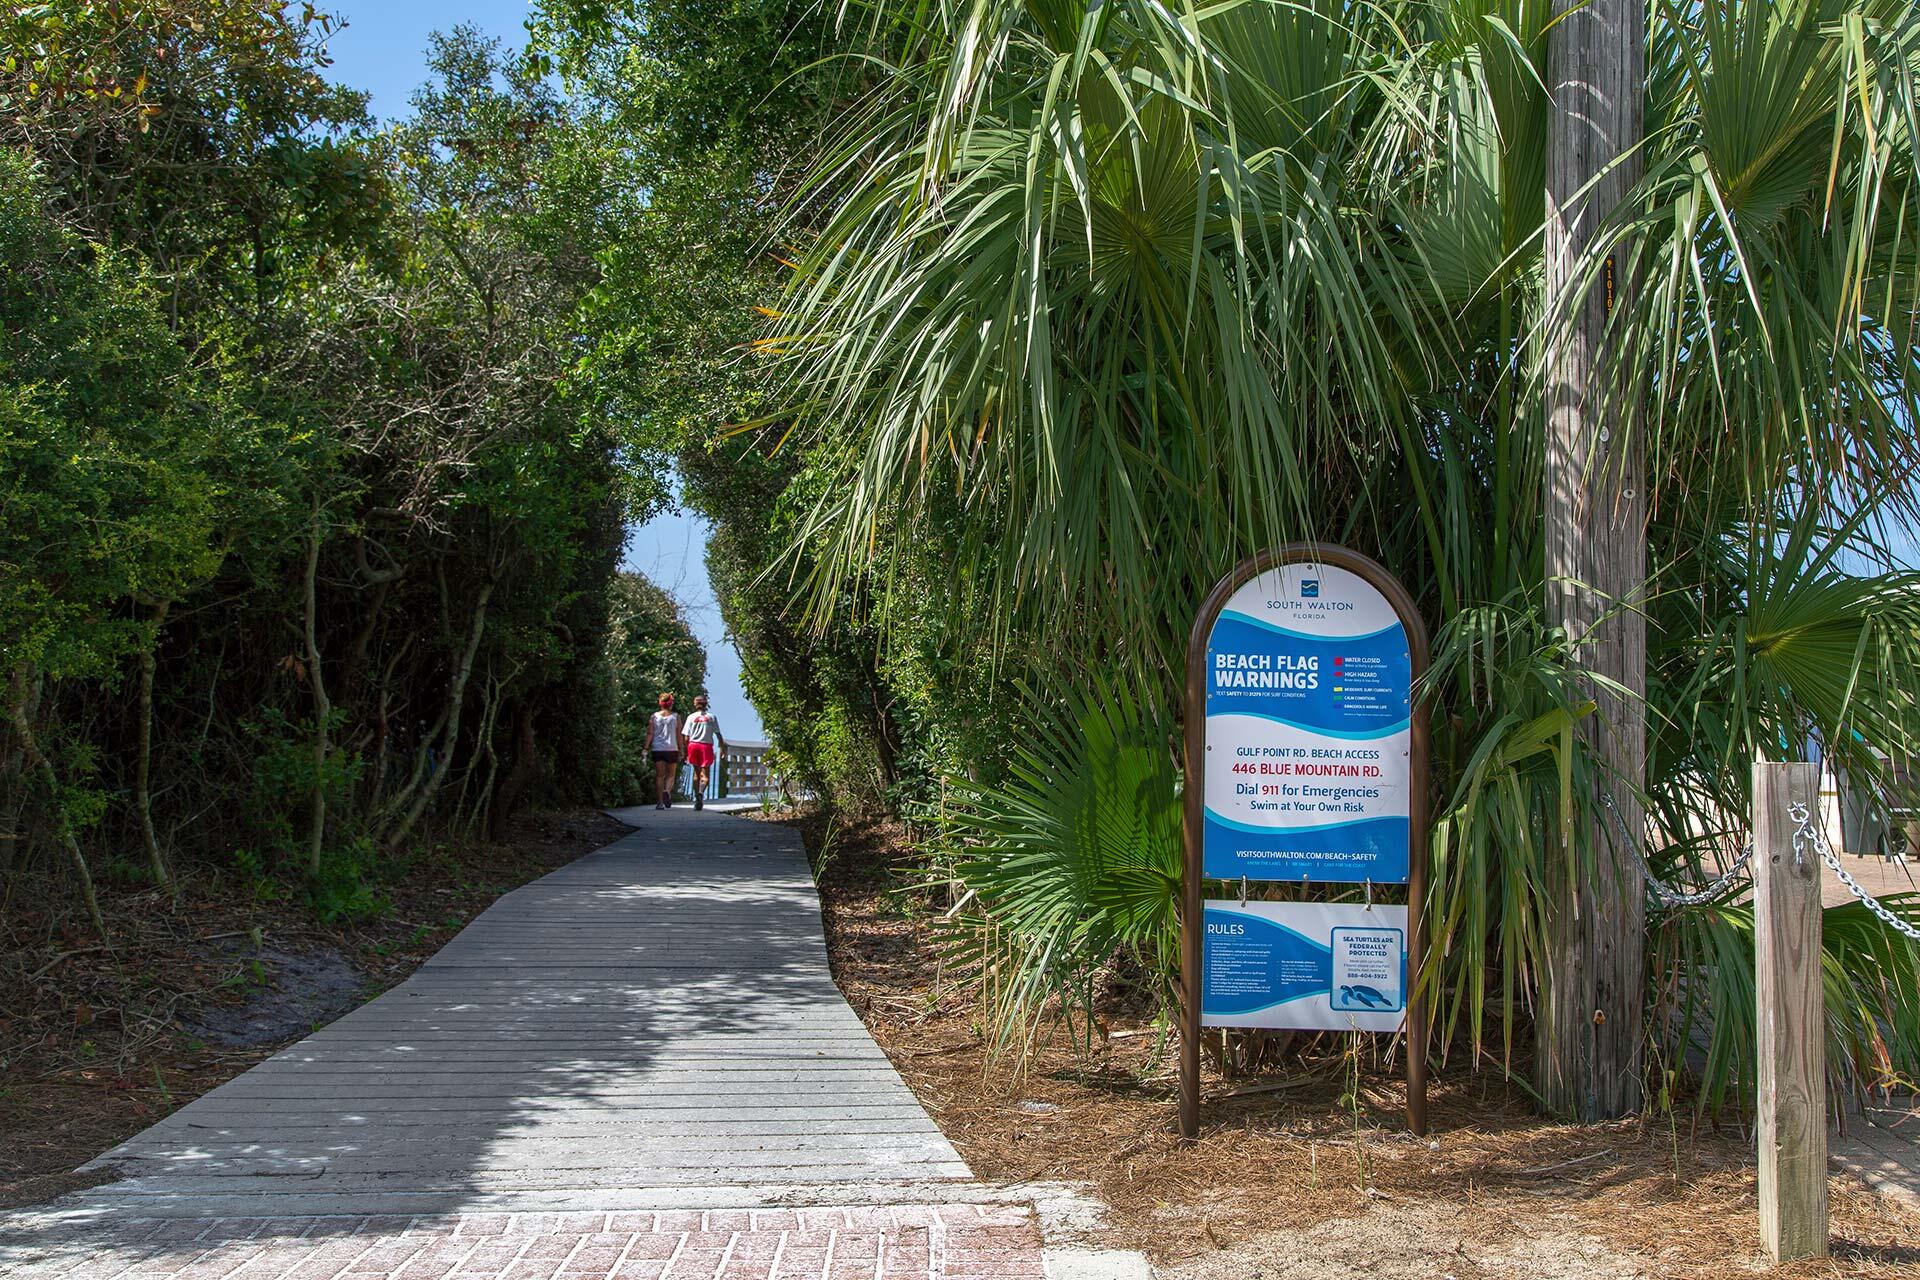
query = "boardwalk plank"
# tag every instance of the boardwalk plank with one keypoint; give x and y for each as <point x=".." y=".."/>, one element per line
<point x="657" y="1014"/>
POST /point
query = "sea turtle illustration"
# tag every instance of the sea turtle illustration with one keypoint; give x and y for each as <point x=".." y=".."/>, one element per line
<point x="1365" y="997"/>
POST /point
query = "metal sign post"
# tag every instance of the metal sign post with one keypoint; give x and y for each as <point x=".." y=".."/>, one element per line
<point x="1306" y="760"/>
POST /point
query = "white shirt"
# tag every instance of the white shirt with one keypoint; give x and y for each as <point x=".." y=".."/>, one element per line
<point x="703" y="726"/>
<point x="666" y="732"/>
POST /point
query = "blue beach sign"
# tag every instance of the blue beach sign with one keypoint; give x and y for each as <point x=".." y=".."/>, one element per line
<point x="1306" y="764"/>
<point x="1306" y="771"/>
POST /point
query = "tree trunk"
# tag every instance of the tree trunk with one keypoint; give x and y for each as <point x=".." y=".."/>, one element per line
<point x="322" y="707"/>
<point x="424" y="757"/>
<point x="12" y="800"/>
<point x="353" y="673"/>
<point x="18" y="710"/>
<point x="485" y="763"/>
<point x="383" y="730"/>
<point x="456" y="694"/>
<point x="143" y="762"/>
<point x="520" y="774"/>
<point x="1595" y="544"/>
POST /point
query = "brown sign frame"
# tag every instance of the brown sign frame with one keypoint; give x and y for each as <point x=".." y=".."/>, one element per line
<point x="1193" y="893"/>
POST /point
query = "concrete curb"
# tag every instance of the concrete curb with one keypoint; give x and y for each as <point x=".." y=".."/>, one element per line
<point x="1071" y="1220"/>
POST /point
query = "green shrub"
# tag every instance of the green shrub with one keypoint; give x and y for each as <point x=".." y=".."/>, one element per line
<point x="1070" y="857"/>
<point x="346" y="888"/>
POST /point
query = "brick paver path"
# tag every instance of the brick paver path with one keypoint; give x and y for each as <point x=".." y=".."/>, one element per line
<point x="907" y="1242"/>
<point x="583" y="1083"/>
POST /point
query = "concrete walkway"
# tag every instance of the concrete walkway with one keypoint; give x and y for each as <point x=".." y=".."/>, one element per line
<point x="608" y="1057"/>
<point x="1882" y="1148"/>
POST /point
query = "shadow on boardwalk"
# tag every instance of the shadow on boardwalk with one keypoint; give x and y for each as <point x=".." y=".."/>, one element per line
<point x="652" y="1026"/>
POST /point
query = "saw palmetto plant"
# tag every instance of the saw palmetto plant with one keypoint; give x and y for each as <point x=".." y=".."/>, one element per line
<point x="1095" y="300"/>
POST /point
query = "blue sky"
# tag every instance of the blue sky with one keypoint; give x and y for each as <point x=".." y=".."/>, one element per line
<point x="382" y="51"/>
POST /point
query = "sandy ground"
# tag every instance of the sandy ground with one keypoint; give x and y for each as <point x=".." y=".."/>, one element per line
<point x="1424" y="1243"/>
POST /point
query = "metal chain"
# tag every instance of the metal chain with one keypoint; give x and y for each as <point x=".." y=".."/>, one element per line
<point x="1664" y="893"/>
<point x="1806" y="832"/>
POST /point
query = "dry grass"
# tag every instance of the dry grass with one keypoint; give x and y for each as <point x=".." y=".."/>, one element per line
<point x="1291" y="1178"/>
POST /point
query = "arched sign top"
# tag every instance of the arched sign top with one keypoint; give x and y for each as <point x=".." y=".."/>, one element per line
<point x="1300" y="692"/>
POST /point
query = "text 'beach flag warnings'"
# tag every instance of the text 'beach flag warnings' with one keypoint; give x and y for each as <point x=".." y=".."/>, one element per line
<point x="1308" y="685"/>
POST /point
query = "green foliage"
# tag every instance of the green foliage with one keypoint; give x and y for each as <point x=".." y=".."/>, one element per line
<point x="1871" y="979"/>
<point x="202" y="132"/>
<point x="651" y="650"/>
<point x="709" y="103"/>
<point x="346" y="888"/>
<point x="828" y="709"/>
<point x="108" y="496"/>
<point x="1090" y="304"/>
<point x="1514" y="773"/>
<point x="241" y="326"/>
<point x="1071" y="857"/>
<point x="284" y="777"/>
<point x="254" y="873"/>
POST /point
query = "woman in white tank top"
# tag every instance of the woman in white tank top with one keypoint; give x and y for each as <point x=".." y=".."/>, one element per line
<point x="663" y="744"/>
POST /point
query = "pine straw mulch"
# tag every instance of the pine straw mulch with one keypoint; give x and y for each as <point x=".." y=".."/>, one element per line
<point x="1285" y="1180"/>
<point x="92" y="1049"/>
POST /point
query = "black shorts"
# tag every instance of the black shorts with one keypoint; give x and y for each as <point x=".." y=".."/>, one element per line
<point x="666" y="757"/>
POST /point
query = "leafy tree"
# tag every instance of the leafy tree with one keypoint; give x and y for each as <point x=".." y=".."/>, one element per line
<point x="713" y="104"/>
<point x="651" y="651"/>
<point x="360" y="417"/>
<point x="201" y="132"/>
<point x="471" y="463"/>
<point x="108" y="505"/>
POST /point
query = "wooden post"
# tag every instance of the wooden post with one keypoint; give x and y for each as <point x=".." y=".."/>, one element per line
<point x="1192" y="923"/>
<point x="1595" y="554"/>
<point x="1793" y="1022"/>
<point x="1421" y="742"/>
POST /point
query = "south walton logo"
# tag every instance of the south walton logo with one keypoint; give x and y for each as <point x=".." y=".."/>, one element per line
<point x="1309" y="588"/>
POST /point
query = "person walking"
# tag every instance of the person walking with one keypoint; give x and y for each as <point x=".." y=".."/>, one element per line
<point x="663" y="741"/>
<point x="703" y="743"/>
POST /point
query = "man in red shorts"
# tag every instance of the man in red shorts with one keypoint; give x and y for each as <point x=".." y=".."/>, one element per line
<point x="701" y="743"/>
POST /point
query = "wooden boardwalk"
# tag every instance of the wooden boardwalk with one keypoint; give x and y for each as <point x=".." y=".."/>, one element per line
<point x="655" y="1022"/>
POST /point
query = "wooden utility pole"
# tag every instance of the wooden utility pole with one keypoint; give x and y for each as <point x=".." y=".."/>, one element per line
<point x="1595" y="540"/>
<point x="1792" y="1014"/>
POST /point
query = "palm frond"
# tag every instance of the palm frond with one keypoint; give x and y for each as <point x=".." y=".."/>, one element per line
<point x="1073" y="856"/>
